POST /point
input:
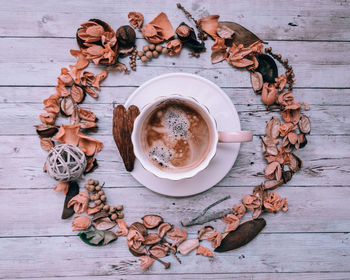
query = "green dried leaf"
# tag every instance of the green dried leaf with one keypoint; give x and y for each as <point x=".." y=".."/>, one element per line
<point x="97" y="237"/>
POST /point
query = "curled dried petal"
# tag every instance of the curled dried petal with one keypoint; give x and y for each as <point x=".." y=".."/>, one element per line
<point x="273" y="170"/>
<point x="86" y="115"/>
<point x="135" y="19"/>
<point x="204" y="252"/>
<point x="146" y="262"/>
<point x="81" y="223"/>
<point x="163" y="229"/>
<point x="286" y="128"/>
<point x="188" y="246"/>
<point x="47" y="118"/>
<point x="269" y="94"/>
<point x="82" y="61"/>
<point x="239" y="210"/>
<point x="285" y="98"/>
<point x="92" y="210"/>
<point x="80" y="202"/>
<point x="209" y="24"/>
<point x="272" y="128"/>
<point x="304" y="124"/>
<point x="123" y="228"/>
<point x="104" y="223"/>
<point x="174" y="47"/>
<point x="99" y="78"/>
<point x="274" y="203"/>
<point x="158" y="30"/>
<point x="205" y="232"/>
<point x="215" y="239"/>
<point x="251" y="201"/>
<point x="295" y="163"/>
<point x="152" y="238"/>
<point x="178" y="235"/>
<point x="218" y="56"/>
<point x="225" y="32"/>
<point x="256" y="80"/>
<point x="219" y="44"/>
<point x="77" y="93"/>
<point x="291" y="113"/>
<point x="152" y="221"/>
<point x="46" y="144"/>
<point x="281" y="82"/>
<point x="62" y="187"/>
<point x="232" y="222"/>
<point x="159" y="250"/>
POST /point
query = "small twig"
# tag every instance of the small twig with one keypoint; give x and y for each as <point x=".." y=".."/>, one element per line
<point x="166" y="265"/>
<point x="203" y="218"/>
<point x="173" y="251"/>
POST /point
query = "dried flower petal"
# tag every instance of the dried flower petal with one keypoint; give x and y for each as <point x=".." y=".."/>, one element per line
<point x="82" y="62"/>
<point x="178" y="235"/>
<point x="205" y="232"/>
<point x="251" y="201"/>
<point x="135" y="19"/>
<point x="152" y="238"/>
<point x="46" y="144"/>
<point x="218" y="56"/>
<point x="163" y="229"/>
<point x="239" y="210"/>
<point x="269" y="93"/>
<point x="81" y="223"/>
<point x="291" y="113"/>
<point x="225" y="32"/>
<point x="204" y="252"/>
<point x="256" y="80"/>
<point x="47" y="118"/>
<point x="209" y="24"/>
<point x="304" y="124"/>
<point x="274" y="203"/>
<point x="273" y="170"/>
<point x="219" y="44"/>
<point x="77" y="93"/>
<point x="104" y="224"/>
<point x="86" y="115"/>
<point x="89" y="145"/>
<point x="146" y="262"/>
<point x="215" y="239"/>
<point x="67" y="106"/>
<point x="295" y="163"/>
<point x="123" y="228"/>
<point x="152" y="221"/>
<point x="174" y="47"/>
<point x="46" y="131"/>
<point x="80" y="202"/>
<point x="68" y="134"/>
<point x="286" y="128"/>
<point x="272" y="128"/>
<point x="62" y="187"/>
<point x="92" y="210"/>
<point x="99" y="78"/>
<point x="188" y="246"/>
<point x="158" y="30"/>
<point x="232" y="221"/>
<point x="159" y="250"/>
<point x="285" y="98"/>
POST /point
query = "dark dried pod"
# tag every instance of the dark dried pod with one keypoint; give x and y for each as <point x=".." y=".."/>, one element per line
<point x="73" y="190"/>
<point x="245" y="233"/>
<point x="152" y="221"/>
<point x="304" y="124"/>
<point x="140" y="228"/>
<point x="188" y="37"/>
<point x="287" y="176"/>
<point x="126" y="36"/>
<point x="267" y="67"/>
<point x="295" y="163"/>
<point x="46" y="130"/>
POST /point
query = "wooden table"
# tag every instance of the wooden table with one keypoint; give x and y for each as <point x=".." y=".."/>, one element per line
<point x="310" y="241"/>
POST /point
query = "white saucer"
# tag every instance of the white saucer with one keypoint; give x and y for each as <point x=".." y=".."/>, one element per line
<point x="222" y="109"/>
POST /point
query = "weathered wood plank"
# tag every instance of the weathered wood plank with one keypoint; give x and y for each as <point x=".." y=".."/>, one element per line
<point x="325" y="163"/>
<point x="328" y="20"/>
<point x="36" y="61"/>
<point x="233" y="275"/>
<point x="37" y="212"/>
<point x="71" y="257"/>
<point x="325" y="120"/>
<point x="239" y="96"/>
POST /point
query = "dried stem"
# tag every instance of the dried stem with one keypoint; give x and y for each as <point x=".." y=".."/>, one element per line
<point x="166" y="265"/>
<point x="173" y="251"/>
<point x="203" y="218"/>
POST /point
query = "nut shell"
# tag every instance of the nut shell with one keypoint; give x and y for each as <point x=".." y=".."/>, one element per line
<point x="126" y="36"/>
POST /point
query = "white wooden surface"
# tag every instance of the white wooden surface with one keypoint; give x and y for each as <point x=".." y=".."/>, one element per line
<point x="311" y="241"/>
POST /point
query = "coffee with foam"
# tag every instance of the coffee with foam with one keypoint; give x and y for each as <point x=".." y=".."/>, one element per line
<point x="175" y="136"/>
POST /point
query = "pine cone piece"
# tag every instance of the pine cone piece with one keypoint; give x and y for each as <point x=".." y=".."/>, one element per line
<point x="123" y="124"/>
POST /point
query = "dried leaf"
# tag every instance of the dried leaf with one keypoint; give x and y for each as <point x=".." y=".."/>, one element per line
<point x="286" y="128"/>
<point x="209" y="24"/>
<point x="204" y="252"/>
<point x="46" y="131"/>
<point x="188" y="246"/>
<point x="246" y="232"/>
<point x="273" y="184"/>
<point x="86" y="115"/>
<point x="267" y="67"/>
<point x="77" y="93"/>
<point x="104" y="224"/>
<point x="218" y="56"/>
<point x="224" y="32"/>
<point x="241" y="34"/>
<point x="92" y="210"/>
<point x="152" y="221"/>
<point x="273" y="170"/>
<point x="295" y="163"/>
<point x="67" y="106"/>
<point x="46" y="144"/>
<point x="72" y="190"/>
<point x="97" y="237"/>
<point x="90" y="91"/>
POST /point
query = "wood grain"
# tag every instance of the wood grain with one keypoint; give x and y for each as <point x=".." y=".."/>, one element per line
<point x="311" y="241"/>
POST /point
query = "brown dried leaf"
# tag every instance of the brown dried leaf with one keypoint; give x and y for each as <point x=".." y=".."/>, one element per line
<point x="285" y="98"/>
<point x="218" y="56"/>
<point x="273" y="184"/>
<point x="87" y="125"/>
<point x="291" y="113"/>
<point x="71" y="190"/>
<point x="152" y="221"/>
<point x="241" y="34"/>
<point x="274" y="203"/>
<point x="286" y="128"/>
<point x="188" y="246"/>
<point x="158" y="30"/>
<point x="140" y="228"/>
<point x="295" y="163"/>
<point x="46" y="144"/>
<point x="225" y="32"/>
<point x="90" y="91"/>
<point x="209" y="24"/>
<point x="99" y="78"/>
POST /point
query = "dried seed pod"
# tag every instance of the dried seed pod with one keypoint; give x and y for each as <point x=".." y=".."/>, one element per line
<point x="164" y="50"/>
<point x="152" y="221"/>
<point x="114" y="217"/>
<point x="287" y="176"/>
<point x="144" y="58"/>
<point x="90" y="188"/>
<point x="155" y="54"/>
<point x="46" y="131"/>
<point x="140" y="53"/>
<point x="304" y="124"/>
<point x="101" y="192"/>
<point x="106" y="208"/>
<point x="273" y="184"/>
<point x="120" y="207"/>
<point x="188" y="37"/>
<point x="145" y="48"/>
<point x="159" y="250"/>
<point x="163" y="229"/>
<point x="152" y="238"/>
<point x="112" y="209"/>
<point x="205" y="232"/>
<point x="98" y="188"/>
<point x="100" y="215"/>
<point x="104" y="224"/>
<point x="126" y="36"/>
<point x="139" y="227"/>
<point x="103" y="198"/>
<point x="267" y="67"/>
<point x="159" y="48"/>
<point x="241" y="34"/>
<point x="97" y="202"/>
<point x="273" y="170"/>
<point x="295" y="163"/>
<point x="120" y="215"/>
<point x="246" y="232"/>
<point x="151" y="47"/>
<point x="256" y="80"/>
<point x="149" y="54"/>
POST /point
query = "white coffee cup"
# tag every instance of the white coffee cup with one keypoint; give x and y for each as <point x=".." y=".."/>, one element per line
<point x="215" y="136"/>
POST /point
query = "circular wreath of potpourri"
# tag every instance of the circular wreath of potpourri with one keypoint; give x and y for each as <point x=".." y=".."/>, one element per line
<point x="239" y="47"/>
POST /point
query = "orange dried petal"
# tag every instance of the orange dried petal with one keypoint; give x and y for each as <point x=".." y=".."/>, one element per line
<point x="209" y="24"/>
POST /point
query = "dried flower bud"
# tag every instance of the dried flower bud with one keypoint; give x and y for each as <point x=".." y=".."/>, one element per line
<point x="106" y="207"/>
<point x="98" y="188"/>
<point x="159" y="48"/>
<point x="114" y="217"/>
<point x="140" y="53"/>
<point x="101" y="193"/>
<point x="119" y="207"/>
<point x="149" y="54"/>
<point x="112" y="209"/>
<point x="97" y="202"/>
<point x="120" y="215"/>
<point x="174" y="47"/>
<point x="90" y="188"/>
<point x="103" y="197"/>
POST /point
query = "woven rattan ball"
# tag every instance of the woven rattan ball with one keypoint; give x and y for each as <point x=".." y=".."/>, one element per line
<point x="65" y="162"/>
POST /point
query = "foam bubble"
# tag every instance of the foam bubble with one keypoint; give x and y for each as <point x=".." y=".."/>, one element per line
<point x="176" y="122"/>
<point x="161" y="154"/>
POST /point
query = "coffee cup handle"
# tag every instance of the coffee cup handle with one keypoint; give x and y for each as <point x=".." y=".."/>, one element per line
<point x="235" y="136"/>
